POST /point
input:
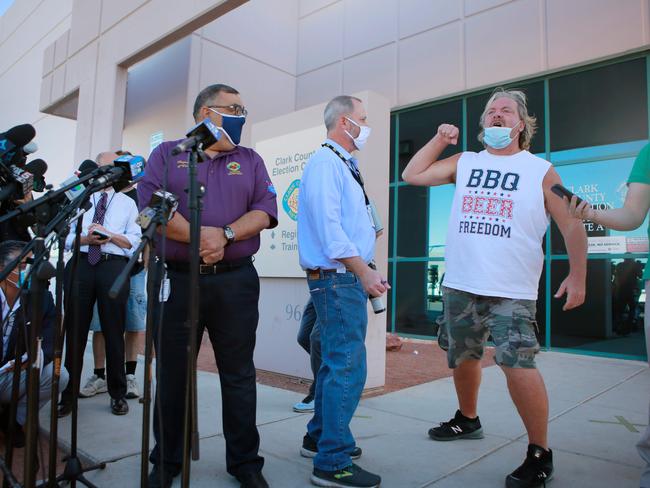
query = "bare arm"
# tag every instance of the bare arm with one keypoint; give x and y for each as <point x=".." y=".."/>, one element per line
<point x="421" y="170"/>
<point x="250" y="224"/>
<point x="213" y="239"/>
<point x="575" y="239"/>
<point x="631" y="216"/>
<point x="178" y="229"/>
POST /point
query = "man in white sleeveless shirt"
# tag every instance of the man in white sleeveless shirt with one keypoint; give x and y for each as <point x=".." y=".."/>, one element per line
<point x="494" y="260"/>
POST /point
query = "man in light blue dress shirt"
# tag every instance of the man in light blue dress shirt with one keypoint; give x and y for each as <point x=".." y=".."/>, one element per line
<point x="336" y="243"/>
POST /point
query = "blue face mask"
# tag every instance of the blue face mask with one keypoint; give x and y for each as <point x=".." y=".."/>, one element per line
<point x="498" y="137"/>
<point x="22" y="275"/>
<point x="231" y="126"/>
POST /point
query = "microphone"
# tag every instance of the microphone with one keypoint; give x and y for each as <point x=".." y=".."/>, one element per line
<point x="126" y="170"/>
<point x="37" y="168"/>
<point x="30" y="148"/>
<point x="160" y="201"/>
<point x="24" y="180"/>
<point x="205" y="133"/>
<point x="86" y="167"/>
<point x="11" y="145"/>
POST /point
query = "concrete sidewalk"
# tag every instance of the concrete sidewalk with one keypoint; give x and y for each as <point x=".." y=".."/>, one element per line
<point x="598" y="409"/>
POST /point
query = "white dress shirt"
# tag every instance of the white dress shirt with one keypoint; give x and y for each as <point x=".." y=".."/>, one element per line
<point x="121" y="212"/>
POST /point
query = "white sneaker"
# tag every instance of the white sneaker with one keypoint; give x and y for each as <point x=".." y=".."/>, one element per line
<point x="305" y="406"/>
<point x="94" y="385"/>
<point x="132" y="387"/>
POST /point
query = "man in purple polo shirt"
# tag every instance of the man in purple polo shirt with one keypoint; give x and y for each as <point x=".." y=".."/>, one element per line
<point x="239" y="203"/>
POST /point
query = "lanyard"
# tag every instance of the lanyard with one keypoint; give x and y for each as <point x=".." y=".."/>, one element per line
<point x="355" y="172"/>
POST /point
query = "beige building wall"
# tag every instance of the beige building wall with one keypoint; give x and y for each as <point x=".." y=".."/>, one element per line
<point x="411" y="51"/>
<point x="26" y="30"/>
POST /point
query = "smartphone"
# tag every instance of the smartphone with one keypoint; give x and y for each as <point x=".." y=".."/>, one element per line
<point x="101" y="234"/>
<point x="560" y="191"/>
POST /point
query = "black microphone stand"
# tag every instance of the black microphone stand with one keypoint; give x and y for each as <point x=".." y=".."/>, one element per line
<point x="190" y="428"/>
<point x="155" y="273"/>
<point x="56" y="360"/>
<point x="74" y="470"/>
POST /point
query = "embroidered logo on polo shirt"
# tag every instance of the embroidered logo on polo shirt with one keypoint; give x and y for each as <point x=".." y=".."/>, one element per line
<point x="233" y="168"/>
<point x="270" y="188"/>
<point x="290" y="200"/>
<point x="182" y="164"/>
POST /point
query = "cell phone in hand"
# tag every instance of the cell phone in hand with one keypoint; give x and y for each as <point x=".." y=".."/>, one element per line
<point x="101" y="234"/>
<point x="561" y="191"/>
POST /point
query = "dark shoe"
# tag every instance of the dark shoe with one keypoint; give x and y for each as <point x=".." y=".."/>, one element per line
<point x="252" y="480"/>
<point x="161" y="477"/>
<point x="351" y="477"/>
<point x="65" y="408"/>
<point x="19" y="436"/>
<point x="119" y="406"/>
<point x="536" y="471"/>
<point x="309" y="448"/>
<point x="460" y="427"/>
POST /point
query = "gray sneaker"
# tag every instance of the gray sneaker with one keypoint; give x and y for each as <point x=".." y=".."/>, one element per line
<point x="132" y="390"/>
<point x="93" y="386"/>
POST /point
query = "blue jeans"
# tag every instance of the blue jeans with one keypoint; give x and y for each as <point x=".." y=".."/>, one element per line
<point x="309" y="340"/>
<point x="340" y="304"/>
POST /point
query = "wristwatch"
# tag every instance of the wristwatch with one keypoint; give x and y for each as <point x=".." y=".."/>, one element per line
<point x="229" y="233"/>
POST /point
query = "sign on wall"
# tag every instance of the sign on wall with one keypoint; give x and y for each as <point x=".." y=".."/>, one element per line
<point x="285" y="158"/>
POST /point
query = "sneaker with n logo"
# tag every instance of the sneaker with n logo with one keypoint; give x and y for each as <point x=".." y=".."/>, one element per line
<point x="460" y="427"/>
<point x="536" y="470"/>
<point x="349" y="477"/>
<point x="309" y="448"/>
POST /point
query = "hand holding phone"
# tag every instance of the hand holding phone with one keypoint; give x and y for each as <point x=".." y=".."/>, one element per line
<point x="100" y="234"/>
<point x="561" y="191"/>
<point x="580" y="210"/>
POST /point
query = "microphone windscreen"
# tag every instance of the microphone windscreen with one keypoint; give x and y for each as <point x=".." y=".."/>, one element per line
<point x="38" y="167"/>
<point x="30" y="148"/>
<point x="20" y="134"/>
<point x="87" y="166"/>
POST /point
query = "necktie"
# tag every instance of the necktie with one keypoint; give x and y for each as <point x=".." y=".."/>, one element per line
<point x="94" y="251"/>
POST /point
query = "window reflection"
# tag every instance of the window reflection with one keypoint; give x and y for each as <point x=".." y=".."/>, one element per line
<point x="611" y="319"/>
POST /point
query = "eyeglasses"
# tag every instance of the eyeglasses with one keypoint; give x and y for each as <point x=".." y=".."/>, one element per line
<point x="235" y="109"/>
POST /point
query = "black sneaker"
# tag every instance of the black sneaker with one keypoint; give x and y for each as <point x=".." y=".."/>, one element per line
<point x="309" y="448"/>
<point x="536" y="470"/>
<point x="460" y="427"/>
<point x="350" y="477"/>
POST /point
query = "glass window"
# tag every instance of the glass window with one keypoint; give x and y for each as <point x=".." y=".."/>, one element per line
<point x="391" y="176"/>
<point x="440" y="201"/>
<point x="601" y="106"/>
<point x="604" y="185"/>
<point x="389" y="299"/>
<point x="611" y="319"/>
<point x="412" y="227"/>
<point x="476" y="104"/>
<point x="391" y="211"/>
<point x="417" y="127"/>
<point x="418" y="297"/>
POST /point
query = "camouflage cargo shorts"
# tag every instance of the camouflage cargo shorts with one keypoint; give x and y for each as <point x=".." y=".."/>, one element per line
<point x="469" y="319"/>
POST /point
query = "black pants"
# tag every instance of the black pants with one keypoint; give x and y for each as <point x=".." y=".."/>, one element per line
<point x="228" y="309"/>
<point x="89" y="285"/>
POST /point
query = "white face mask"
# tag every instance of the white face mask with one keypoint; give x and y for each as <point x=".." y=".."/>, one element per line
<point x="362" y="138"/>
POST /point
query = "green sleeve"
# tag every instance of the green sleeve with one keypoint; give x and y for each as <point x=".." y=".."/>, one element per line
<point x="641" y="169"/>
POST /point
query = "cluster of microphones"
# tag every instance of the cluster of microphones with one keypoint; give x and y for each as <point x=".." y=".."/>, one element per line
<point x="19" y="178"/>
